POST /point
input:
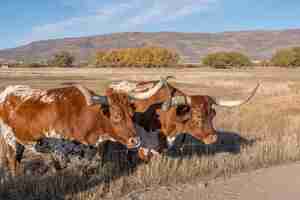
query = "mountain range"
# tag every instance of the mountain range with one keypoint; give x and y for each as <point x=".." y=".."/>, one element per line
<point x="191" y="47"/>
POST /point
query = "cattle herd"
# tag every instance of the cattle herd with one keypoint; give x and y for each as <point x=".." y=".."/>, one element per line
<point x="145" y="117"/>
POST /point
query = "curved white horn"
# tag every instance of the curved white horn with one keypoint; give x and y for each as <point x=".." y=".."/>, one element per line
<point x="176" y="101"/>
<point x="150" y="92"/>
<point x="236" y="102"/>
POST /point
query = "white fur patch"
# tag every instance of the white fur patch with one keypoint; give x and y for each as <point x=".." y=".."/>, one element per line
<point x="26" y="92"/>
<point x="7" y="134"/>
<point x="104" y="138"/>
<point x="53" y="134"/>
<point x="170" y="141"/>
<point x="148" y="152"/>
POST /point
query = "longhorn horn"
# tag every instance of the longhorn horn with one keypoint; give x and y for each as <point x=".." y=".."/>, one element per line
<point x="176" y="101"/>
<point x="235" y="103"/>
<point x="150" y="92"/>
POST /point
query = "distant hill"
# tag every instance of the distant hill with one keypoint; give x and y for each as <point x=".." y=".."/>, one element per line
<point x="191" y="46"/>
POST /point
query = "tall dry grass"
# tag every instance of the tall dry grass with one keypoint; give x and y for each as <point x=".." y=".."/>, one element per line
<point x="262" y="135"/>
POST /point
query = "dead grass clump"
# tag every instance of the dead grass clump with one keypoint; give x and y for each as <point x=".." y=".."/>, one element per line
<point x="277" y="141"/>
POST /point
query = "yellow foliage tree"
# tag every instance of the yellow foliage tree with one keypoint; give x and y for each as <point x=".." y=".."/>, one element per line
<point x="145" y="56"/>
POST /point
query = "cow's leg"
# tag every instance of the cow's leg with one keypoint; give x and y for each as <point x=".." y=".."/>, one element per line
<point x="3" y="155"/>
<point x="19" y="152"/>
<point x="11" y="150"/>
<point x="14" y="156"/>
<point x="11" y="160"/>
<point x="11" y="156"/>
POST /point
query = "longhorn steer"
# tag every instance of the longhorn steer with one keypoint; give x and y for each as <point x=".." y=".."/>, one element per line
<point x="28" y="115"/>
<point x="161" y="106"/>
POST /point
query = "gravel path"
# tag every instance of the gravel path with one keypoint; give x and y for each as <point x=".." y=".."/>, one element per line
<point x="277" y="183"/>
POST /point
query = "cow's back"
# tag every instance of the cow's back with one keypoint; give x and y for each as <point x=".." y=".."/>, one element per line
<point x="34" y="114"/>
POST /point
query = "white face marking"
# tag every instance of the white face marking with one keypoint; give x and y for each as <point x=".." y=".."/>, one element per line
<point x="170" y="141"/>
<point x="26" y="92"/>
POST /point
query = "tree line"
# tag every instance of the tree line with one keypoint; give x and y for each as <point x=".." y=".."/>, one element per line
<point x="163" y="57"/>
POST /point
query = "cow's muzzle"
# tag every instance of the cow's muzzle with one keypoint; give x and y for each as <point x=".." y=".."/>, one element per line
<point x="134" y="142"/>
<point x="210" y="139"/>
<point x="146" y="154"/>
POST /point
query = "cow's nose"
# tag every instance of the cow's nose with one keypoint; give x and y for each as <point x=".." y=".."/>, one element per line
<point x="210" y="139"/>
<point x="148" y="154"/>
<point x="134" y="142"/>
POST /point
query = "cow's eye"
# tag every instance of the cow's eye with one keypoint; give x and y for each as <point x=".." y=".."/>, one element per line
<point x="183" y="113"/>
<point x="182" y="110"/>
<point x="116" y="115"/>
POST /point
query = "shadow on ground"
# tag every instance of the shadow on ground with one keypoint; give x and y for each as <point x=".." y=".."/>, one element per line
<point x="41" y="181"/>
<point x="116" y="162"/>
<point x="186" y="145"/>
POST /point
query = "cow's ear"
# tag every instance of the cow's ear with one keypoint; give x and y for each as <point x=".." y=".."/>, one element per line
<point x="158" y="111"/>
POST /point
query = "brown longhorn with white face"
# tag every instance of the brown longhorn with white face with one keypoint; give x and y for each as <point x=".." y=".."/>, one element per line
<point x="28" y="115"/>
<point x="194" y="115"/>
<point x="179" y="113"/>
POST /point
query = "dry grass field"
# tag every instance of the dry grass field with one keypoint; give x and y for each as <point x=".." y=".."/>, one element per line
<point x="260" y="134"/>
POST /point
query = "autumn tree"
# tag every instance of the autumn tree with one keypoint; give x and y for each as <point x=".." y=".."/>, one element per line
<point x="145" y="56"/>
<point x="62" y="59"/>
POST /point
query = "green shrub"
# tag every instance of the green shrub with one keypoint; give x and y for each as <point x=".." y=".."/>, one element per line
<point x="283" y="58"/>
<point x="226" y="60"/>
<point x="297" y="56"/>
<point x="62" y="59"/>
<point x="289" y="57"/>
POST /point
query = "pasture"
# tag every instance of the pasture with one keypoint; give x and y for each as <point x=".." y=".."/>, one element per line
<point x="262" y="133"/>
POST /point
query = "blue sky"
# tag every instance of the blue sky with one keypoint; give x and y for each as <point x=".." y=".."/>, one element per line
<point x="31" y="20"/>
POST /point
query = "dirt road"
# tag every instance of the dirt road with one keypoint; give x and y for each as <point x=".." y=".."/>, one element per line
<point x="277" y="183"/>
